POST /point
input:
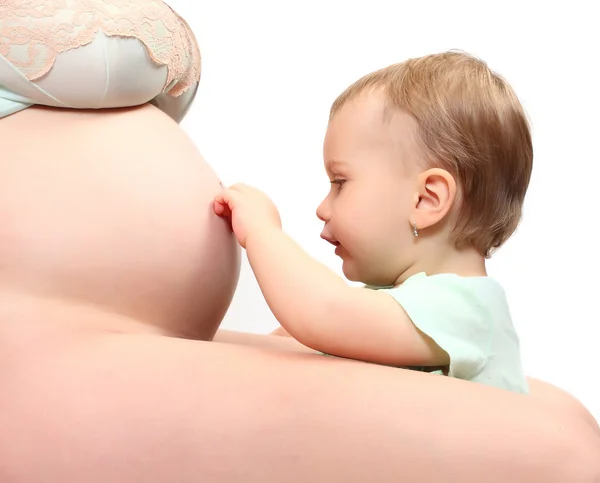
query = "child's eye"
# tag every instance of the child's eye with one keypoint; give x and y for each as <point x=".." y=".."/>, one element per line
<point x="339" y="182"/>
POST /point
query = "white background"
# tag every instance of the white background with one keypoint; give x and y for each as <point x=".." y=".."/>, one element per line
<point x="271" y="69"/>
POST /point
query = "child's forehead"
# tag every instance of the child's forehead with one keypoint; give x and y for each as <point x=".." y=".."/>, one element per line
<point x="367" y="106"/>
<point x="369" y="124"/>
<point x="371" y="117"/>
<point x="395" y="143"/>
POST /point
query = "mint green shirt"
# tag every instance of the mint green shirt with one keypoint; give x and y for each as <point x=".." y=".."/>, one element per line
<point x="469" y="318"/>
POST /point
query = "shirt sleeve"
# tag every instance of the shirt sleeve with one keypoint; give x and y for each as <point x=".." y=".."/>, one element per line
<point x="450" y="312"/>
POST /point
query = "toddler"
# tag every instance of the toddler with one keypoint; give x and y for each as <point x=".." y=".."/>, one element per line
<point x="429" y="162"/>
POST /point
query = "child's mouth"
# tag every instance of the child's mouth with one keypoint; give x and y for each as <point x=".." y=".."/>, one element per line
<point x="335" y="243"/>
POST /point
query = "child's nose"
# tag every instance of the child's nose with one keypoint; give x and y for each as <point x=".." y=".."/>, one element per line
<point x="323" y="211"/>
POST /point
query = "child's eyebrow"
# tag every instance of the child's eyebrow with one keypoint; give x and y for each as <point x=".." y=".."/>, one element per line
<point x="335" y="164"/>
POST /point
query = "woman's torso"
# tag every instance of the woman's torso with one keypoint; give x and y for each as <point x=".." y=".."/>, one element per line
<point x="113" y="210"/>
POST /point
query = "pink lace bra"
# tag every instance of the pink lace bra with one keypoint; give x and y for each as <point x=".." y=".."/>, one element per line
<point x="95" y="54"/>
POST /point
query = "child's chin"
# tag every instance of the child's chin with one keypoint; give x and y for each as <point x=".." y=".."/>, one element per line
<point x="350" y="272"/>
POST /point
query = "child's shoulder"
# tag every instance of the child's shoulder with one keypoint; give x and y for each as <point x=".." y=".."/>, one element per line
<point x="450" y="297"/>
<point x="447" y="283"/>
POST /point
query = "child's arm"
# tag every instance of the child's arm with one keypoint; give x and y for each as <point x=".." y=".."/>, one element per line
<point x="321" y="311"/>
<point x="315" y="305"/>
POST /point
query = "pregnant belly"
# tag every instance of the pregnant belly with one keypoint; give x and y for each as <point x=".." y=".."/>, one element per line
<point x="114" y="208"/>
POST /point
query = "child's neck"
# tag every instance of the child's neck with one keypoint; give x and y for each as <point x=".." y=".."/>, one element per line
<point x="466" y="262"/>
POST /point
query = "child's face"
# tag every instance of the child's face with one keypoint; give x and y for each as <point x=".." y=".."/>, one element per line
<point x="373" y="165"/>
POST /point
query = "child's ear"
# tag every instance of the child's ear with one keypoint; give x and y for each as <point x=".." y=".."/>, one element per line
<point x="436" y="192"/>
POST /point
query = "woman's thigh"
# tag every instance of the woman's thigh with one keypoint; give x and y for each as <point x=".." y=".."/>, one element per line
<point x="542" y="392"/>
<point x="554" y="397"/>
<point x="149" y="408"/>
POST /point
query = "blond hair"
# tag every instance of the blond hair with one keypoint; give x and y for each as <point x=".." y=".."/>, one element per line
<point x="471" y="124"/>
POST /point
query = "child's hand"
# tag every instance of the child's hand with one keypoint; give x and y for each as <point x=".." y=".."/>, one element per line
<point x="250" y="210"/>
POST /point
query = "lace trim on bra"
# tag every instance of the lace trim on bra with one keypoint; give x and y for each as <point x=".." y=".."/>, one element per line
<point x="34" y="32"/>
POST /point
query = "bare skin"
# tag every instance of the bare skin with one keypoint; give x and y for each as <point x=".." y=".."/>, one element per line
<point x="105" y="368"/>
<point x="542" y="391"/>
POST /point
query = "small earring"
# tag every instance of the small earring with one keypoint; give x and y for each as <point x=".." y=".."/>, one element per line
<point x="415" y="230"/>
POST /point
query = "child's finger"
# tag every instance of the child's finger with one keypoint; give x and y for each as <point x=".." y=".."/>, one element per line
<point x="223" y="197"/>
<point x="220" y="208"/>
<point x="225" y="202"/>
<point x="220" y="204"/>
